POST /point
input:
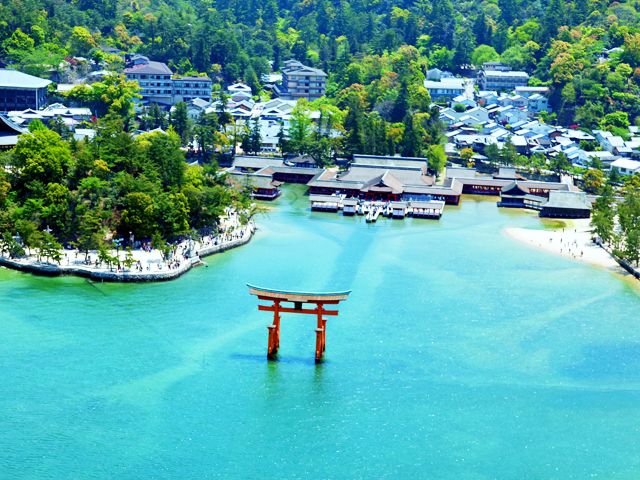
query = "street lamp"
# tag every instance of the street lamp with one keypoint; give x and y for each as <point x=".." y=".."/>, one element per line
<point x="118" y="243"/>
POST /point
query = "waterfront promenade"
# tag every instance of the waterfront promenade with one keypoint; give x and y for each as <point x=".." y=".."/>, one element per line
<point x="149" y="265"/>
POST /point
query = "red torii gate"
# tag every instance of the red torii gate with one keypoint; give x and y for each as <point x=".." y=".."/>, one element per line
<point x="297" y="298"/>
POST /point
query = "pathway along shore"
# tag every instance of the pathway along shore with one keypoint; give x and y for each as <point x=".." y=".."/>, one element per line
<point x="154" y="268"/>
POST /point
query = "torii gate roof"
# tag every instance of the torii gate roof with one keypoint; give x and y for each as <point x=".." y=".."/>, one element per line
<point x="290" y="296"/>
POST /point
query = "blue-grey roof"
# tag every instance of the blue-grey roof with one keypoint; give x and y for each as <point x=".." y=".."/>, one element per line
<point x="9" y="126"/>
<point x="14" y="79"/>
<point x="150" y="68"/>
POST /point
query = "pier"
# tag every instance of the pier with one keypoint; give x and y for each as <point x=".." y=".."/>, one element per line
<point x="431" y="209"/>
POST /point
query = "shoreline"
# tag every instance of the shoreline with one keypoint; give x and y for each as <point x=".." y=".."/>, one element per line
<point x="132" y="275"/>
<point x="574" y="242"/>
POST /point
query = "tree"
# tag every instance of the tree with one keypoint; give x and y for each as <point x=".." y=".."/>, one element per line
<point x="589" y="114"/>
<point x="442" y="21"/>
<point x="207" y="132"/>
<point x="156" y="117"/>
<point x="36" y="125"/>
<point x="632" y="244"/>
<point x="353" y="125"/>
<point x="508" y="153"/>
<point x="437" y="159"/>
<point x="412" y="137"/>
<point x="29" y="233"/>
<point x="560" y="163"/>
<point x="138" y="216"/>
<point x="163" y="151"/>
<point x="593" y="181"/>
<point x="10" y="245"/>
<point x="603" y="215"/>
<point x="616" y="119"/>
<point x="90" y="232"/>
<point x="172" y="213"/>
<point x="128" y="260"/>
<point x="252" y="140"/>
<point x="492" y="152"/>
<point x="614" y="176"/>
<point x="508" y="10"/>
<point x="629" y="219"/>
<point x="103" y="254"/>
<point x="41" y="156"/>
<point x="483" y="54"/>
<point x="113" y="95"/>
<point x="464" y="49"/>
<point x="19" y="45"/>
<point x="81" y="41"/>
<point x="480" y="30"/>
<point x="402" y="105"/>
<point x="467" y="154"/>
<point x="161" y="245"/>
<point x="554" y="18"/>
<point x="50" y="248"/>
<point x="41" y="62"/>
<point x="251" y="79"/>
<point x="181" y="122"/>
<point x="55" y="209"/>
<point x="631" y="54"/>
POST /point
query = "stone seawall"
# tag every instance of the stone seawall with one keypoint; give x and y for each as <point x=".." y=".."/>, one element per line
<point x="51" y="270"/>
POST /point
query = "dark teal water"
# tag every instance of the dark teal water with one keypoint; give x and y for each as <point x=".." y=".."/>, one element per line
<point x="460" y="354"/>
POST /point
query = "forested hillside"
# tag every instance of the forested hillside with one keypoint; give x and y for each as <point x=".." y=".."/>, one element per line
<point x="356" y="43"/>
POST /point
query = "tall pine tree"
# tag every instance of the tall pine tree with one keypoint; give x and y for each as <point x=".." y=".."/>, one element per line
<point x="442" y="23"/>
<point x="554" y="18"/>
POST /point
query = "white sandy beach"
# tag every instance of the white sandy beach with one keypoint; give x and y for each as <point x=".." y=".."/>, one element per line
<point x="573" y="242"/>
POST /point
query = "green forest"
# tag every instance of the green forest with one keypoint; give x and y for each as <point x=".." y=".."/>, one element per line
<point x="375" y="53"/>
<point x="357" y="43"/>
<point x="86" y="192"/>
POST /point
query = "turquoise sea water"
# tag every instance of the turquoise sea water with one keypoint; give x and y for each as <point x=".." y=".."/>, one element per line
<point x="460" y="354"/>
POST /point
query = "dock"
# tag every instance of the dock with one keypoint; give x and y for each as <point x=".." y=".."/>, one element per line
<point x="426" y="209"/>
<point x="326" y="203"/>
<point x="374" y="213"/>
<point x="349" y="206"/>
<point x="430" y="209"/>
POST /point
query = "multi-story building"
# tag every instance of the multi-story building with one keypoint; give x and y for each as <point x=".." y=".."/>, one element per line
<point x="153" y="77"/>
<point x="158" y="86"/>
<point x="190" y="88"/>
<point x="300" y="81"/>
<point x="19" y="91"/>
<point x="492" y="78"/>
